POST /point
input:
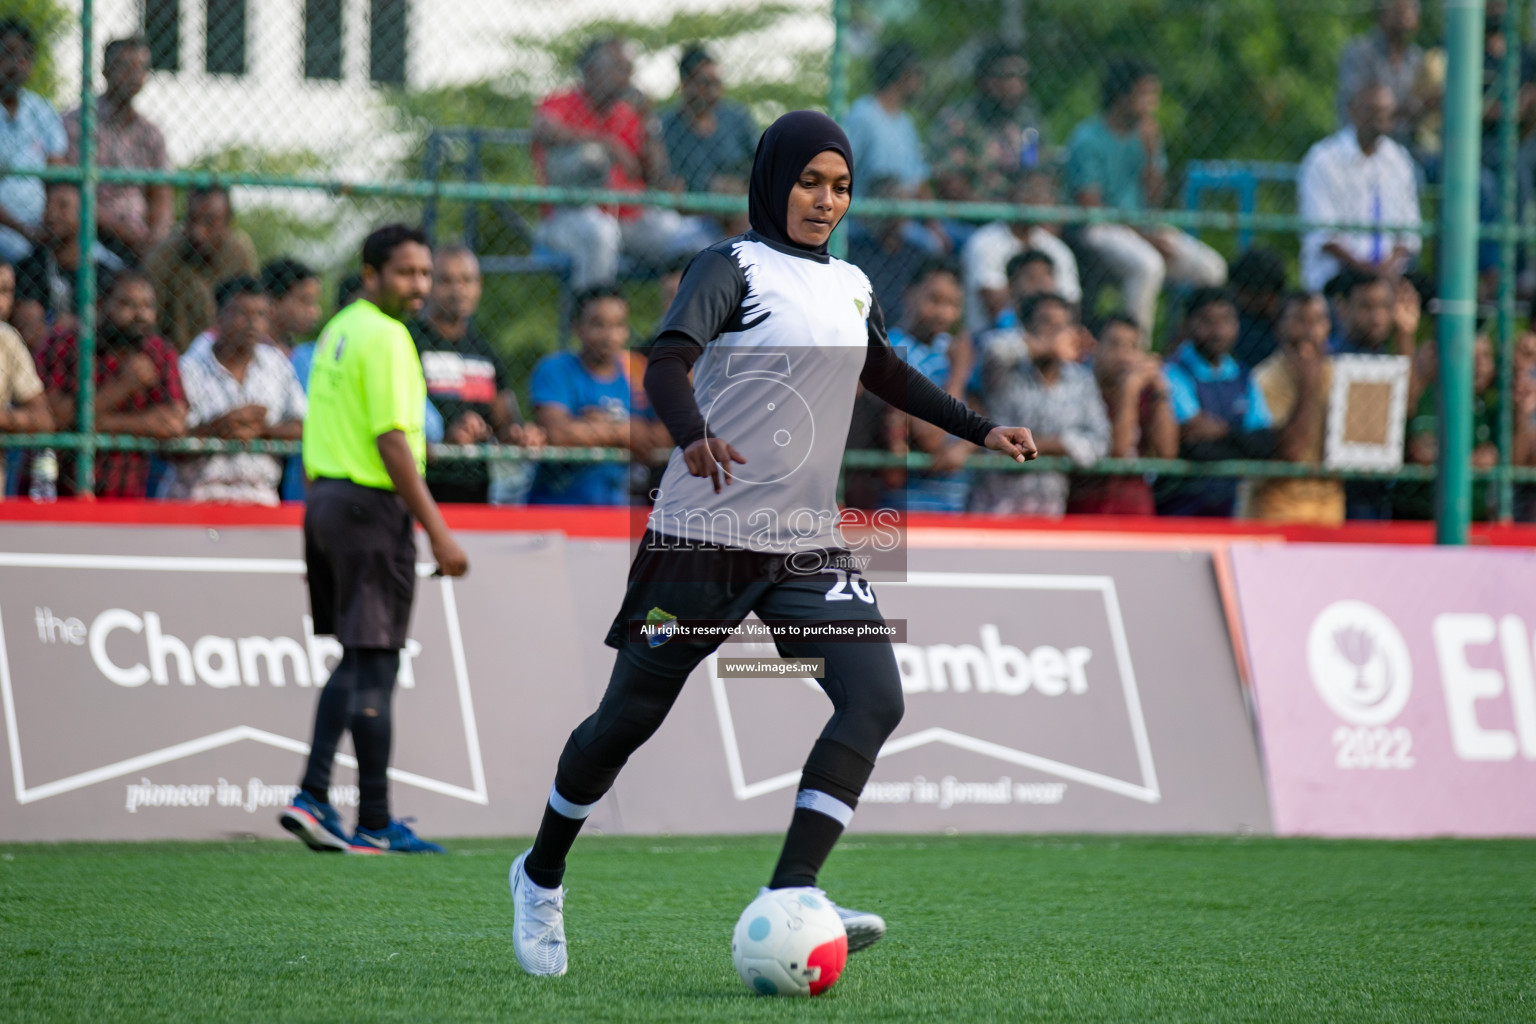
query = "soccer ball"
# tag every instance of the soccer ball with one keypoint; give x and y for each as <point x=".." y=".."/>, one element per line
<point x="789" y="942"/>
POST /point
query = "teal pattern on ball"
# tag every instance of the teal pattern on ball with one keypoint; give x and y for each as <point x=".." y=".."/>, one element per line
<point x="758" y="930"/>
<point x="765" y="986"/>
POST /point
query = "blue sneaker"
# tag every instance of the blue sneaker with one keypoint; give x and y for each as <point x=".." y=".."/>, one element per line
<point x="316" y="823"/>
<point x="397" y="838"/>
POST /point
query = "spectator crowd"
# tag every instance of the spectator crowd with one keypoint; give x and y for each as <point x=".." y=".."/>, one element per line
<point x="1037" y="322"/>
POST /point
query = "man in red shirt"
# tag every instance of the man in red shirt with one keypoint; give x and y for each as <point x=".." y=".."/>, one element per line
<point x="138" y="389"/>
<point x="599" y="135"/>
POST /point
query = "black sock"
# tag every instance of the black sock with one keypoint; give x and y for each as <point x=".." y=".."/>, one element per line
<point x="830" y="784"/>
<point x="557" y="834"/>
<point x="806" y="847"/>
<point x="330" y="722"/>
<point x="632" y="708"/>
<point x="372" y="732"/>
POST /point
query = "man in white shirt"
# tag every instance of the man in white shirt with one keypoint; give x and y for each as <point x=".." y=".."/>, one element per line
<point x="238" y="389"/>
<point x="1360" y="175"/>
<point x="986" y="255"/>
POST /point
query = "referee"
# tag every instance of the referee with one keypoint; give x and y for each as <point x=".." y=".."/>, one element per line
<point x="364" y="450"/>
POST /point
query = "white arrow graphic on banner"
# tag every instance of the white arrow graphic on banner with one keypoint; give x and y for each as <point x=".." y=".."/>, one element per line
<point x="239" y="733"/>
<point x="1146" y="792"/>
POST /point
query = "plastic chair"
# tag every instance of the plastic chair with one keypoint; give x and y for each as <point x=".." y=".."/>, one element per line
<point x="539" y="260"/>
<point x="1239" y="177"/>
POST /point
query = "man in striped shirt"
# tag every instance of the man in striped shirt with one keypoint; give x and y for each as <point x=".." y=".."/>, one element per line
<point x="239" y="389"/>
<point x="1032" y="374"/>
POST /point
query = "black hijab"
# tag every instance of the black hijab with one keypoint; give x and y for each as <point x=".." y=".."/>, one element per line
<point x="790" y="143"/>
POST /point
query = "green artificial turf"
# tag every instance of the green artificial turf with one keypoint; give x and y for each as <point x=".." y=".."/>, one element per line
<point x="981" y="928"/>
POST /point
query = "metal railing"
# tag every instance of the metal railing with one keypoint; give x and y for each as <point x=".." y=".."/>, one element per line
<point x="1465" y="29"/>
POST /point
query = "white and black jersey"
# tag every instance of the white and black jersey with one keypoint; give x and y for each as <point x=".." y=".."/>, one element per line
<point x="779" y="339"/>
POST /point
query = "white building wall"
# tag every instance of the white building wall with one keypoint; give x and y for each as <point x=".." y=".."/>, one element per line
<point x="274" y="107"/>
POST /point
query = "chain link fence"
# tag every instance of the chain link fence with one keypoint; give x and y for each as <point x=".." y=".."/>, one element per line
<point x="1234" y="201"/>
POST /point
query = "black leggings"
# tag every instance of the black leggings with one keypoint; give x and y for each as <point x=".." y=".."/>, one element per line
<point x="861" y="680"/>
<point x="357" y="698"/>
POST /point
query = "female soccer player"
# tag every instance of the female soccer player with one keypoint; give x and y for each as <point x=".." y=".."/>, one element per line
<point x="778" y="336"/>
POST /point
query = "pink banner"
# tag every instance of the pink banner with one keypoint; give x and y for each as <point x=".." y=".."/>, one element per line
<point x="1395" y="689"/>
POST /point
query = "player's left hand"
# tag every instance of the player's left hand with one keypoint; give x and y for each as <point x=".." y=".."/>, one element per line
<point x="1015" y="441"/>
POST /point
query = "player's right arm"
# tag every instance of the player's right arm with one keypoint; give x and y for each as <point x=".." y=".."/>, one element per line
<point x="710" y="292"/>
<point x="671" y="395"/>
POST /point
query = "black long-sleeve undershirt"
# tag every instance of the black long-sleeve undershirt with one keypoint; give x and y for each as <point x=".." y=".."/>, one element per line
<point x="885" y="374"/>
<point x="669" y="390"/>
<point x="896" y="381"/>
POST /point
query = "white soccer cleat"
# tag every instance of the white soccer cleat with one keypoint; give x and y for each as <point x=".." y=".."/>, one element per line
<point x="538" y="926"/>
<point x="864" y="929"/>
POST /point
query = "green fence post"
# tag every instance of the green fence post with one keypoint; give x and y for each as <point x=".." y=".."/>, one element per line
<point x="1458" y="265"/>
<point x="837" y="99"/>
<point x="1509" y="215"/>
<point x="85" y="404"/>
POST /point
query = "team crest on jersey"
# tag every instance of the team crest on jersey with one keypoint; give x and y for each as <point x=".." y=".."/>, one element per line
<point x="660" y="626"/>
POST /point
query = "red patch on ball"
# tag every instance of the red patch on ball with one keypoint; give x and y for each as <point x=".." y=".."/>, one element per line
<point x="831" y="957"/>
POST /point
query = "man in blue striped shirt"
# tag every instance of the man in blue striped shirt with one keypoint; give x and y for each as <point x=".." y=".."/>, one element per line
<point x="931" y="312"/>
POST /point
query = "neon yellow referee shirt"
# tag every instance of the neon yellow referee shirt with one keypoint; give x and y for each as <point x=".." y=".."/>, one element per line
<point x="366" y="380"/>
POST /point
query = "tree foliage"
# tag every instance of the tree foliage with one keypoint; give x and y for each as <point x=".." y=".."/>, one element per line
<point x="47" y="20"/>
<point x="769" y="83"/>
<point x="280" y="223"/>
<point x="1242" y="79"/>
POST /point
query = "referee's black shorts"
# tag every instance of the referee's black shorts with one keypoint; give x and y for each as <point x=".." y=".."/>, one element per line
<point x="360" y="555"/>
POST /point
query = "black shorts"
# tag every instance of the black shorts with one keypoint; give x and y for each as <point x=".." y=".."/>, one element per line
<point x="722" y="586"/>
<point x="360" y="556"/>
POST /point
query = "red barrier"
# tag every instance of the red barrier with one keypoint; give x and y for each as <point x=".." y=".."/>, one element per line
<point x="613" y="522"/>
